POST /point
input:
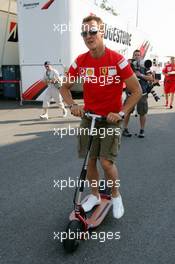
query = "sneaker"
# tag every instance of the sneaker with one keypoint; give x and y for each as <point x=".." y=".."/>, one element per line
<point x="91" y="202"/>
<point x="171" y="106"/>
<point x="118" y="209"/>
<point x="44" y="116"/>
<point x="64" y="112"/>
<point x="126" y="133"/>
<point x="141" y="134"/>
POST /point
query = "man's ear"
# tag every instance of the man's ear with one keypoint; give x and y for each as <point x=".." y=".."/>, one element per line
<point x="102" y="35"/>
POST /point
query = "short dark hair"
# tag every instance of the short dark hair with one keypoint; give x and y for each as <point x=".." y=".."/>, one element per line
<point x="137" y="50"/>
<point x="92" y="17"/>
<point x="47" y="63"/>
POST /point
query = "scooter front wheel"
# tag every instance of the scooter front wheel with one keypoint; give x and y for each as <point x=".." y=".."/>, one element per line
<point x="74" y="231"/>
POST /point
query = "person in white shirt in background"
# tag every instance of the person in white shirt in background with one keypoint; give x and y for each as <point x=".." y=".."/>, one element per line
<point x="52" y="79"/>
<point x="157" y="71"/>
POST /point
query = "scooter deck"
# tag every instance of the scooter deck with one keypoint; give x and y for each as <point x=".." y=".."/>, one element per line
<point x="98" y="214"/>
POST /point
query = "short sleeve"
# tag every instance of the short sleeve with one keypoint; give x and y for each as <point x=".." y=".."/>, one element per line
<point x="44" y="78"/>
<point x="73" y="70"/>
<point x="56" y="74"/>
<point x="164" y="70"/>
<point x="124" y="69"/>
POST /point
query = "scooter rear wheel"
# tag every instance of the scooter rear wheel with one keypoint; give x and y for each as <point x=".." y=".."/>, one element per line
<point x="73" y="230"/>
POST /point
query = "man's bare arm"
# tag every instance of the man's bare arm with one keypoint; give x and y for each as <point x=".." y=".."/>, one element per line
<point x="66" y="94"/>
<point x="75" y="109"/>
<point x="135" y="89"/>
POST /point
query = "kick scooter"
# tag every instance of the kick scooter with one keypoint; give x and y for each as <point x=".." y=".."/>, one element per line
<point x="80" y="223"/>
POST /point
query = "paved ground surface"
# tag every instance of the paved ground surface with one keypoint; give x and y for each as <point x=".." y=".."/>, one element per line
<point x="31" y="209"/>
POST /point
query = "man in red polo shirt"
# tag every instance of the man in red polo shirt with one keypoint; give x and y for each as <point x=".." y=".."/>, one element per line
<point x="103" y="72"/>
<point x="169" y="81"/>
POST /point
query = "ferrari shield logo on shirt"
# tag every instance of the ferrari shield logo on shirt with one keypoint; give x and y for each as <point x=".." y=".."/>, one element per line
<point x="110" y="70"/>
<point x="103" y="70"/>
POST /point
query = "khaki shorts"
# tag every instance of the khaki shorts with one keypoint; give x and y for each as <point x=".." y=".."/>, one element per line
<point x="106" y="140"/>
<point x="142" y="105"/>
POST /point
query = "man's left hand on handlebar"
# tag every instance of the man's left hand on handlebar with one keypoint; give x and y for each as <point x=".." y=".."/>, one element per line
<point x="113" y="117"/>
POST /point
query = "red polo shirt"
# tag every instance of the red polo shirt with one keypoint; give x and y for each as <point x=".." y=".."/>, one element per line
<point x="102" y="80"/>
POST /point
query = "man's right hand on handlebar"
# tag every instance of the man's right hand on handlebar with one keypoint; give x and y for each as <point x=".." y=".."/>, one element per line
<point x="113" y="118"/>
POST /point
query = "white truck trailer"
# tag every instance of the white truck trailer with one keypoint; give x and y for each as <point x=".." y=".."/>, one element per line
<point x="50" y="30"/>
<point x="8" y="35"/>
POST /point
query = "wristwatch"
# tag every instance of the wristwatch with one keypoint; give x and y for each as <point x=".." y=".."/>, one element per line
<point x="121" y="114"/>
<point x="70" y="106"/>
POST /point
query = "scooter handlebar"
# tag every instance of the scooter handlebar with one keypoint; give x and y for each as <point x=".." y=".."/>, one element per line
<point x="96" y="117"/>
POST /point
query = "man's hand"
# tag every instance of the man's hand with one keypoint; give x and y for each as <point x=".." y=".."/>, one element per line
<point x="49" y="81"/>
<point x="113" y="117"/>
<point x="171" y="73"/>
<point x="149" y="77"/>
<point x="77" y="110"/>
<point x="139" y="74"/>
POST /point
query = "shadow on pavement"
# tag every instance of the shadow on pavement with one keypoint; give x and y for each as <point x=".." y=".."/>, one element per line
<point x="32" y="209"/>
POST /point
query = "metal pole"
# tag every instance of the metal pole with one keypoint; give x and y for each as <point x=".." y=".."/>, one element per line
<point x="137" y="14"/>
<point x="20" y="90"/>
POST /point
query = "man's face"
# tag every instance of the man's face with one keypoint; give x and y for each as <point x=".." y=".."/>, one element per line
<point x="48" y="67"/>
<point x="137" y="56"/>
<point x="91" y="34"/>
<point x="172" y="60"/>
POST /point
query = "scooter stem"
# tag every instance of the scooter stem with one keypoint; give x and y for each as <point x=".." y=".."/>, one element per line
<point x="80" y="188"/>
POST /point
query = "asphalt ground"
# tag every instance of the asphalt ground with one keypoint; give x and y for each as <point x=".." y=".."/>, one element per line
<point x="32" y="208"/>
